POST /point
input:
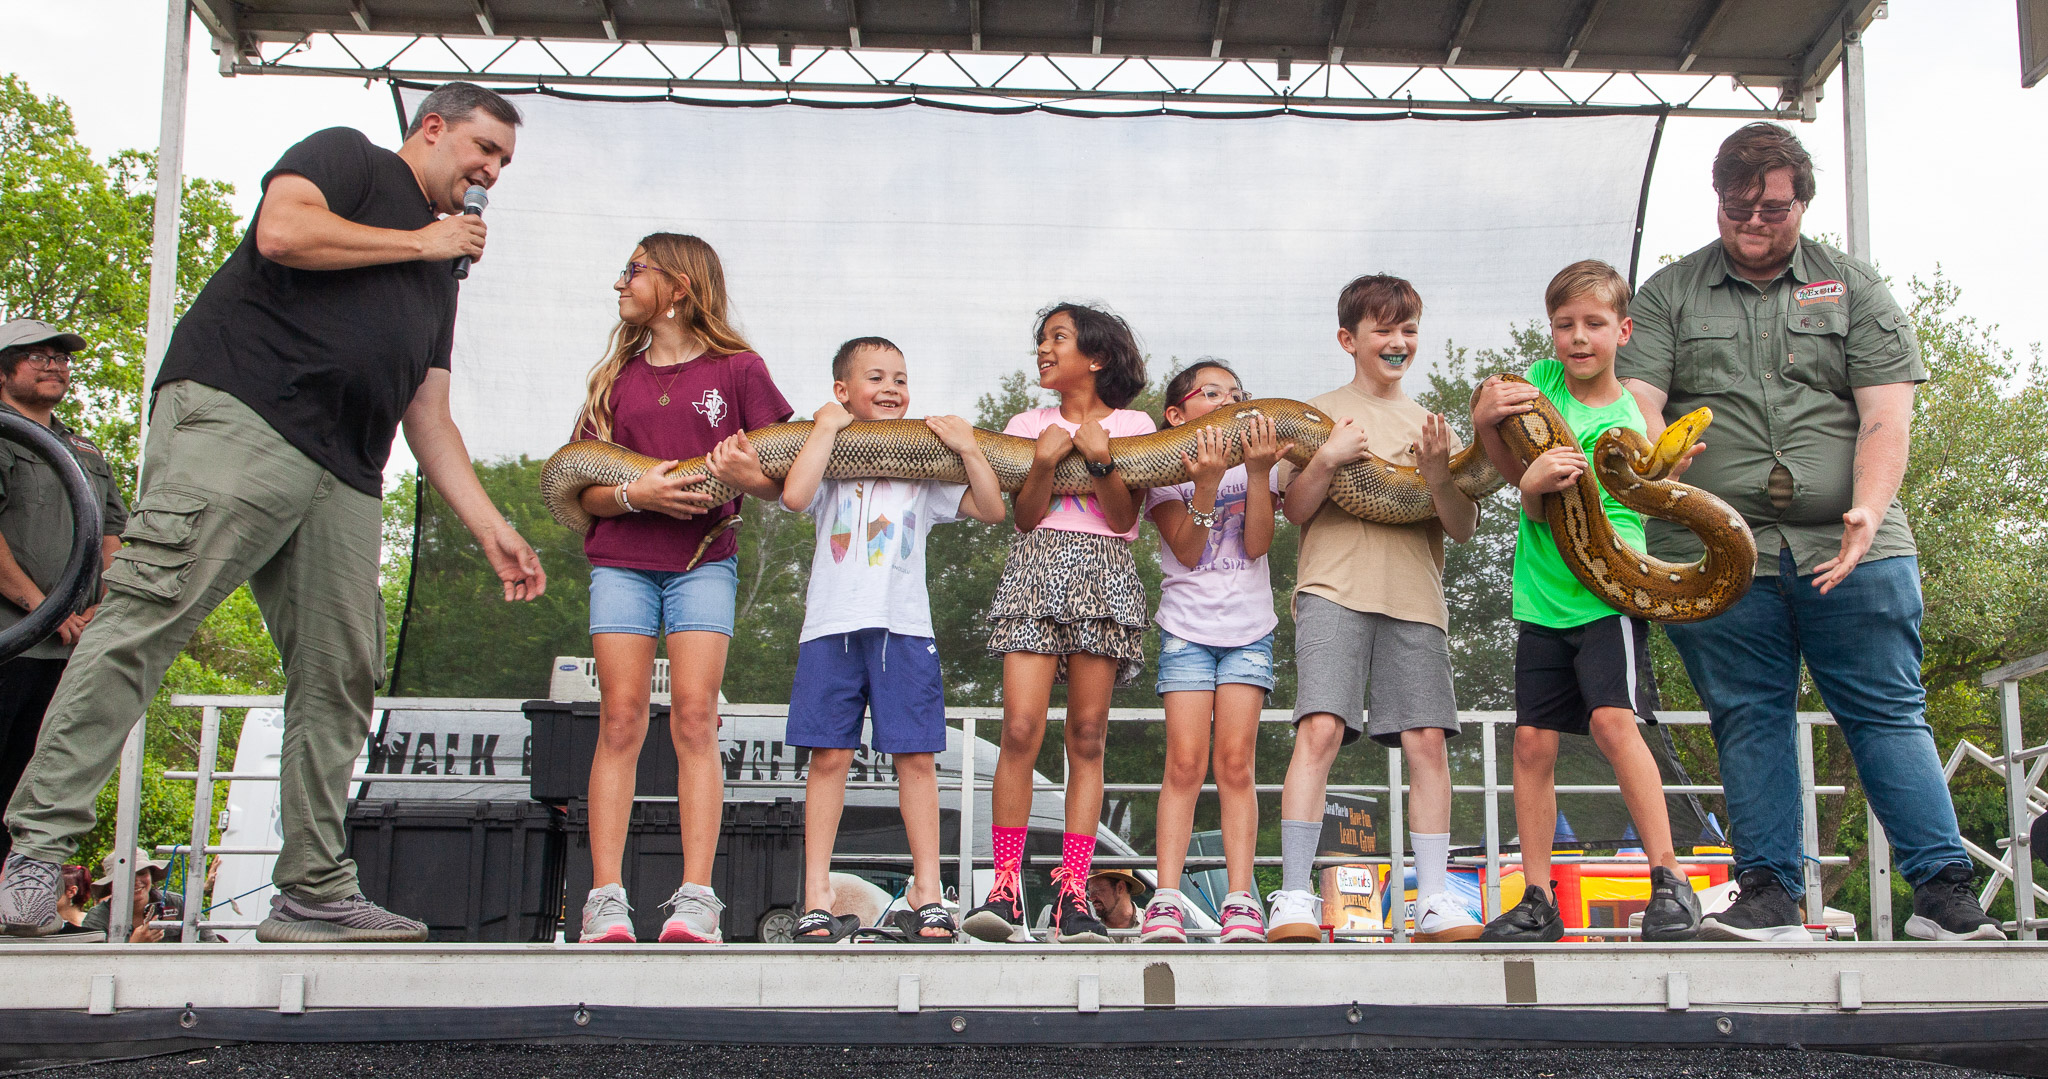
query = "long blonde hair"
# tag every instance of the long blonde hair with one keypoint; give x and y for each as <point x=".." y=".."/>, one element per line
<point x="700" y="309"/>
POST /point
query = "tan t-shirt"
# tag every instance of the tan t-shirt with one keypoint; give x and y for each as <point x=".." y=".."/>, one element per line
<point x="1395" y="570"/>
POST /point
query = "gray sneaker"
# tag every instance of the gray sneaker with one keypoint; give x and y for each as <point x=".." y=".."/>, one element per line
<point x="351" y="920"/>
<point x="28" y="896"/>
<point x="693" y="916"/>
<point x="607" y="918"/>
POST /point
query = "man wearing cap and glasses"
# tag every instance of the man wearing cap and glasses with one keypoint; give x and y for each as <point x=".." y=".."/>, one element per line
<point x="35" y="532"/>
<point x="271" y="422"/>
<point x="1809" y="366"/>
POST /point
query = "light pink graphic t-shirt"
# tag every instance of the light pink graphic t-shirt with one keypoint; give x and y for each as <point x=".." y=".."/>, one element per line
<point x="1226" y="600"/>
<point x="1081" y="513"/>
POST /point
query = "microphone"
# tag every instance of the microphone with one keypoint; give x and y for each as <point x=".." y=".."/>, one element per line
<point x="473" y="202"/>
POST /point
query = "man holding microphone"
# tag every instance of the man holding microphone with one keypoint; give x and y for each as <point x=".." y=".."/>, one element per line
<point x="272" y="419"/>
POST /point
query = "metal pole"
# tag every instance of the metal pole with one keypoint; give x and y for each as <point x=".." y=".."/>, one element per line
<point x="1809" y="826"/>
<point x="170" y="189"/>
<point x="1880" y="854"/>
<point x="1397" y="847"/>
<point x="202" y="823"/>
<point x="2020" y="851"/>
<point x="967" y="785"/>
<point x="127" y="822"/>
<point x="1855" y="145"/>
<point x="1489" y="760"/>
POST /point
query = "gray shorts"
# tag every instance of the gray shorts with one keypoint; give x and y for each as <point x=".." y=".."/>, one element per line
<point x="1340" y="655"/>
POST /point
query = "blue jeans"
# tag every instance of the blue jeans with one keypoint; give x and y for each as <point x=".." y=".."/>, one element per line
<point x="1861" y="643"/>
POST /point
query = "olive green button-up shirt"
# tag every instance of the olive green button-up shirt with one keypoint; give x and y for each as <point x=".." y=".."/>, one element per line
<point x="35" y="520"/>
<point x="1778" y="365"/>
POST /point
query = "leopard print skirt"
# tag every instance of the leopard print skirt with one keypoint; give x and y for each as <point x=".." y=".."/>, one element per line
<point x="1066" y="592"/>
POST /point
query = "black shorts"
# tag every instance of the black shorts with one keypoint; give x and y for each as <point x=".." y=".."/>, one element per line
<point x="1561" y="675"/>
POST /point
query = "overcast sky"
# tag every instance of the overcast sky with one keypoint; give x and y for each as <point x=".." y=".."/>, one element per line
<point x="1956" y="146"/>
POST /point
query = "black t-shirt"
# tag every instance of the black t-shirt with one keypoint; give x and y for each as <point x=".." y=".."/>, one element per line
<point x="330" y="358"/>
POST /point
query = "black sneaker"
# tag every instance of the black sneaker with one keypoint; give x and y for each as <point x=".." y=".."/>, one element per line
<point x="1946" y="908"/>
<point x="1764" y="912"/>
<point x="999" y="919"/>
<point x="1073" y="917"/>
<point x="1674" y="910"/>
<point x="1532" y="921"/>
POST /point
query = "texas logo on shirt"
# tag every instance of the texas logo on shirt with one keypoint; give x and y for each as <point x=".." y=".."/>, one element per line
<point x="711" y="406"/>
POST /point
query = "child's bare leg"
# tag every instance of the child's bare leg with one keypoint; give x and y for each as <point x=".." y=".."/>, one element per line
<point x="625" y="672"/>
<point x="1317" y="738"/>
<point x="824" y="799"/>
<point x="1090" y="679"/>
<point x="917" y="791"/>
<point x="1642" y="785"/>
<point x="1536" y="802"/>
<point x="1187" y="763"/>
<point x="1237" y="742"/>
<point x="1027" y="693"/>
<point x="1429" y="779"/>
<point x="696" y="667"/>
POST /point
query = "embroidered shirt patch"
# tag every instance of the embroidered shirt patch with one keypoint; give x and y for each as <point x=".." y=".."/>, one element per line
<point x="1821" y="292"/>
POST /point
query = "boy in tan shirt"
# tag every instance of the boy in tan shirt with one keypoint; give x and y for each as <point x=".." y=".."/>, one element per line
<point x="1370" y="619"/>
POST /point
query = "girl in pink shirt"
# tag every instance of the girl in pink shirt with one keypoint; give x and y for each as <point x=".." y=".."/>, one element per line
<point x="1070" y="607"/>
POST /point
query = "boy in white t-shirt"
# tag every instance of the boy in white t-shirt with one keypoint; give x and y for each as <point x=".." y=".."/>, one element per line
<point x="867" y="610"/>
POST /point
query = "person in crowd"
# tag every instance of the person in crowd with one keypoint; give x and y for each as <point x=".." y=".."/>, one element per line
<point x="35" y="533"/>
<point x="1116" y="894"/>
<point x="866" y="607"/>
<point x="1369" y="615"/>
<point x="1216" y="626"/>
<point x="1069" y="608"/>
<point x="1580" y="667"/>
<point x="74" y="897"/>
<point x="1810" y="368"/>
<point x="274" y="409"/>
<point x="152" y="902"/>
<point x="677" y="381"/>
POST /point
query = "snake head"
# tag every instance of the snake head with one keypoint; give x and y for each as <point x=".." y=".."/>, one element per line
<point x="1671" y="446"/>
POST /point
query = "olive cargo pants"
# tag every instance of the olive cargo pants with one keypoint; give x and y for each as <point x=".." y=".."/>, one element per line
<point x="225" y="499"/>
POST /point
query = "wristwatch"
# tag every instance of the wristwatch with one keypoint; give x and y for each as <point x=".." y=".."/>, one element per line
<point x="1102" y="470"/>
<point x="1201" y="519"/>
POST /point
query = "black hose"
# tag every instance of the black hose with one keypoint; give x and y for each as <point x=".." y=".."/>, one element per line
<point x="59" y="603"/>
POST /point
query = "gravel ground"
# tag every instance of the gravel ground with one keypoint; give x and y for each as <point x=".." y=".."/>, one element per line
<point x="493" y="1061"/>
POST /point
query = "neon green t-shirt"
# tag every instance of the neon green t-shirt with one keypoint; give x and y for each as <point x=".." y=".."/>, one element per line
<point x="1546" y="593"/>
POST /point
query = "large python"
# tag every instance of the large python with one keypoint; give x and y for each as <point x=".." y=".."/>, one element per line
<point x="1637" y="473"/>
<point x="1373" y="489"/>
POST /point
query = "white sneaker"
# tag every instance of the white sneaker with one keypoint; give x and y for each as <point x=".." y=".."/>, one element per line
<point x="693" y="916"/>
<point x="1242" y="920"/>
<point x="1296" y="918"/>
<point x="1440" y="919"/>
<point x="607" y="918"/>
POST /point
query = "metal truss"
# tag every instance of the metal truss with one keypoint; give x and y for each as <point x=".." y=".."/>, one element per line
<point x="744" y="75"/>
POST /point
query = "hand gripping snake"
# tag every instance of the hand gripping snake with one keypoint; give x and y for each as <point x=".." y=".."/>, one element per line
<point x="1372" y="489"/>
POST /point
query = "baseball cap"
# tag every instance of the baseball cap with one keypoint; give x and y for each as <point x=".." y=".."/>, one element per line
<point x="29" y="331"/>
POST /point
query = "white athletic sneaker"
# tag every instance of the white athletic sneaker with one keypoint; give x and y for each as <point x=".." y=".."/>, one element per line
<point x="1296" y="918"/>
<point x="607" y="918"/>
<point x="1440" y="919"/>
<point x="1165" y="919"/>
<point x="1243" y="922"/>
<point x="693" y="916"/>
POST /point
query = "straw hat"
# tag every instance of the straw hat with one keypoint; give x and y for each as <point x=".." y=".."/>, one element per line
<point x="1139" y="888"/>
<point x="143" y="862"/>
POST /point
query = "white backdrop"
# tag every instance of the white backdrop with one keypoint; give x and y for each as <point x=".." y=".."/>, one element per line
<point x="946" y="231"/>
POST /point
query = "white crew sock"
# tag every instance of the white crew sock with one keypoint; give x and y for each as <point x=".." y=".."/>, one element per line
<point x="1432" y="853"/>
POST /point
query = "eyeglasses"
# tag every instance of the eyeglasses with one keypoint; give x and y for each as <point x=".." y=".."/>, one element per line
<point x="48" y="359"/>
<point x="1213" y="394"/>
<point x="633" y="270"/>
<point x="1770" y="215"/>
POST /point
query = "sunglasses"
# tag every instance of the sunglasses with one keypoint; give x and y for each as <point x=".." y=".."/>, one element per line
<point x="1211" y="393"/>
<point x="1770" y="215"/>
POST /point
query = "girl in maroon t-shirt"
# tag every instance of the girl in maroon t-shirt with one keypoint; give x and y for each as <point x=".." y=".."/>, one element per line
<point x="678" y="382"/>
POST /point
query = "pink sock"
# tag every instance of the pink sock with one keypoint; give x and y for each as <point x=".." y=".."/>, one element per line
<point x="1077" y="853"/>
<point x="1009" y="847"/>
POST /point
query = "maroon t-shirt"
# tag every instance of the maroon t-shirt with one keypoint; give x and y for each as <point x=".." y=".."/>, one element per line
<point x="709" y="399"/>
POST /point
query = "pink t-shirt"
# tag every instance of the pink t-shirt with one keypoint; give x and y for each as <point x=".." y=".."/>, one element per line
<point x="709" y="399"/>
<point x="1081" y="513"/>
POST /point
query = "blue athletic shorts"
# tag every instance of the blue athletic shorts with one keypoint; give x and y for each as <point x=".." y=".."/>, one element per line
<point x="649" y="602"/>
<point x="841" y="675"/>
<point x="1185" y="665"/>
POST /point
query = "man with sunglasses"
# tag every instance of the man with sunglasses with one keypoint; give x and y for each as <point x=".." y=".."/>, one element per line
<point x="1810" y="368"/>
<point x="271" y="422"/>
<point x="35" y="532"/>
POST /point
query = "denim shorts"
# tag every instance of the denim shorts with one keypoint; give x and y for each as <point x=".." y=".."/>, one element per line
<point x="1185" y="665"/>
<point x="649" y="602"/>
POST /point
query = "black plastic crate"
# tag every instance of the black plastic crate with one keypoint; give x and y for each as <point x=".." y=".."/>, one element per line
<point x="473" y="871"/>
<point x="759" y="872"/>
<point x="565" y="740"/>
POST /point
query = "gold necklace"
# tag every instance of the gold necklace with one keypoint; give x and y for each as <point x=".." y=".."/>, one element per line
<point x="671" y="381"/>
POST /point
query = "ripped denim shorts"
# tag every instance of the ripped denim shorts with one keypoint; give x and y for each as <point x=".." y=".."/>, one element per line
<point x="1185" y="665"/>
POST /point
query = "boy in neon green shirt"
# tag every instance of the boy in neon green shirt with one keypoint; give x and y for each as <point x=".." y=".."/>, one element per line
<point x="1580" y="666"/>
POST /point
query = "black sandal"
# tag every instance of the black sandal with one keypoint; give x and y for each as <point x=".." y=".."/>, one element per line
<point x="913" y="923"/>
<point x="838" y="926"/>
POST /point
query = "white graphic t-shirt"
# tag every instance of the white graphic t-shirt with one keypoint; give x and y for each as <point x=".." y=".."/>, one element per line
<point x="1226" y="601"/>
<point x="868" y="569"/>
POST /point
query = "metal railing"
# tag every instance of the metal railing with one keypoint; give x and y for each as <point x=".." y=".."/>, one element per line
<point x="2021" y="767"/>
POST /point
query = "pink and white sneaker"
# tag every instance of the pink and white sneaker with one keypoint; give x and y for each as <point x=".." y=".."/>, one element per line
<point x="693" y="916"/>
<point x="607" y="919"/>
<point x="1242" y="920"/>
<point x="1165" y="919"/>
